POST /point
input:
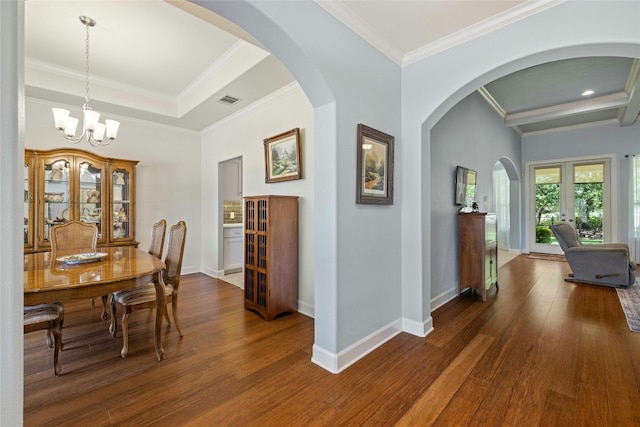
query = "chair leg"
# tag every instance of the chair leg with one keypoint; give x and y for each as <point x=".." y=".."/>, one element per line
<point x="50" y="339"/>
<point x="174" y="309"/>
<point x="125" y="333"/>
<point x="104" y="314"/>
<point x="56" y="329"/>
<point x="166" y="316"/>
<point x="113" y="326"/>
<point x="50" y="335"/>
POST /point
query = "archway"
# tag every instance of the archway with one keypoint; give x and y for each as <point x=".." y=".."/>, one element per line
<point x="429" y="244"/>
<point x="507" y="205"/>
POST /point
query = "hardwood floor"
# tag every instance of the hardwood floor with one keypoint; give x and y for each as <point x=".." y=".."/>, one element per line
<point x="540" y="352"/>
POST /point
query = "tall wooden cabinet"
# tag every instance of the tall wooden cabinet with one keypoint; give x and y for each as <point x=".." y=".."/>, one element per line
<point x="477" y="252"/>
<point x="66" y="184"/>
<point x="271" y="255"/>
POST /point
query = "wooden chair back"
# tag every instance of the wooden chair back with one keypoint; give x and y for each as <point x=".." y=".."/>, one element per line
<point x="156" y="248"/>
<point x="175" y="251"/>
<point x="73" y="237"/>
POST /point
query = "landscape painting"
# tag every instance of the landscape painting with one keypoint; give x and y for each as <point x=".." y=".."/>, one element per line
<point x="375" y="167"/>
<point x="282" y="157"/>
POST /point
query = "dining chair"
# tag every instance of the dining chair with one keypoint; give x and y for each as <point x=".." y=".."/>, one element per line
<point x="156" y="248"/>
<point x="50" y="317"/>
<point x="76" y="237"/>
<point x="144" y="297"/>
<point x="158" y="231"/>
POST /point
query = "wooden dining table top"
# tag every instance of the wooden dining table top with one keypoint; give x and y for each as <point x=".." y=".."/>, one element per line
<point x="123" y="267"/>
<point x="44" y="279"/>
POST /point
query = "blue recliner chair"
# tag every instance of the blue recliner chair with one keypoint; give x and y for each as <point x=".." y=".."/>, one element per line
<point x="605" y="264"/>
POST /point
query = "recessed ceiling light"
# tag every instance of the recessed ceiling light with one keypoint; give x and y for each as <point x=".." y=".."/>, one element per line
<point x="587" y="92"/>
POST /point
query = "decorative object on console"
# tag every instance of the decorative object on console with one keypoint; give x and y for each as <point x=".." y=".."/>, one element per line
<point x="93" y="131"/>
<point x="282" y="157"/>
<point x="374" y="170"/>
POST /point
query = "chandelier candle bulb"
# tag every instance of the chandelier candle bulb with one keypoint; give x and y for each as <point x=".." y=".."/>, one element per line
<point x="60" y="116"/>
<point x="98" y="134"/>
<point x="112" y="128"/>
<point x="91" y="120"/>
<point x="71" y="126"/>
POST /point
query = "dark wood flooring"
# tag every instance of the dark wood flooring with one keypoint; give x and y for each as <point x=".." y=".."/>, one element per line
<point x="540" y="352"/>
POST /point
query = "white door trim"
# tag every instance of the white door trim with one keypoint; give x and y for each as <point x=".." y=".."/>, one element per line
<point x="611" y="197"/>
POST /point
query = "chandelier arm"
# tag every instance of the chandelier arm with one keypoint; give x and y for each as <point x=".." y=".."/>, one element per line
<point x="72" y="139"/>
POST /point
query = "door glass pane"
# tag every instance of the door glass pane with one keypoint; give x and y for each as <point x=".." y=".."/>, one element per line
<point x="588" y="201"/>
<point x="121" y="204"/>
<point x="547" y="205"/>
<point x="56" y="195"/>
<point x="90" y="197"/>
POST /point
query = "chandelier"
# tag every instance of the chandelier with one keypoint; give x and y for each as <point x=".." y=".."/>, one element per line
<point x="94" y="132"/>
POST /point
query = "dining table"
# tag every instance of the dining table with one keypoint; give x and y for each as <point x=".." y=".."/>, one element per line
<point x="63" y="276"/>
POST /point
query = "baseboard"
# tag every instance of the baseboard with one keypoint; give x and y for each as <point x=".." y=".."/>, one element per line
<point x="336" y="363"/>
<point x="211" y="272"/>
<point x="419" y="329"/>
<point x="444" y="298"/>
<point x="190" y="270"/>
<point x="306" y="309"/>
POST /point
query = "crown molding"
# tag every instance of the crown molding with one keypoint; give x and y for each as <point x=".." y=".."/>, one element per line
<point x="120" y="117"/>
<point x="486" y="26"/>
<point x="568" y="109"/>
<point x="94" y="80"/>
<point x="572" y="127"/>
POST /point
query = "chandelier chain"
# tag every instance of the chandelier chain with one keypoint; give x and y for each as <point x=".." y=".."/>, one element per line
<point x="86" y="80"/>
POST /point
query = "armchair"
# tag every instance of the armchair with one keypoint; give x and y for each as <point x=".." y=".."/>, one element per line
<point x="605" y="264"/>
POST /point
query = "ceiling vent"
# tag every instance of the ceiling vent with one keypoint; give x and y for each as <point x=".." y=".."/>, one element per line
<point x="229" y="100"/>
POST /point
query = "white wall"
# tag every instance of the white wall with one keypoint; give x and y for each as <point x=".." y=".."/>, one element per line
<point x="168" y="175"/>
<point x="472" y="135"/>
<point x="242" y="136"/>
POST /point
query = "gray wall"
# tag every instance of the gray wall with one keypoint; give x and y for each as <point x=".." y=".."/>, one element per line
<point x="472" y="135"/>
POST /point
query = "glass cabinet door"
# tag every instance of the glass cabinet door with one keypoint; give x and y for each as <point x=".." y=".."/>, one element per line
<point x="122" y="209"/>
<point x="28" y="200"/>
<point x="91" y="195"/>
<point x="55" y="206"/>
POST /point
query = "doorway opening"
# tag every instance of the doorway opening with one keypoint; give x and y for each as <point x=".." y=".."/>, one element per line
<point x="231" y="218"/>
<point x="576" y="191"/>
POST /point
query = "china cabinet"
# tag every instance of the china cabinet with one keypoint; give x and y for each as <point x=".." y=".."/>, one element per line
<point x="68" y="184"/>
<point x="271" y="255"/>
<point x="477" y="252"/>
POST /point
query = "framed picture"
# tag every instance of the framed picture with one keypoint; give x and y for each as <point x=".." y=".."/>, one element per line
<point x="282" y="157"/>
<point x="374" y="167"/>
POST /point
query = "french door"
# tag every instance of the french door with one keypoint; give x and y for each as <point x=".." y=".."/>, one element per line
<point x="577" y="191"/>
